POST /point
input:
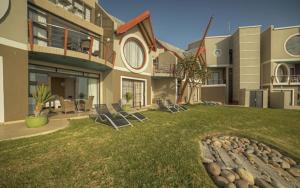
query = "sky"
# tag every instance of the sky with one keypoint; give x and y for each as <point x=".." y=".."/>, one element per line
<point x="180" y="22"/>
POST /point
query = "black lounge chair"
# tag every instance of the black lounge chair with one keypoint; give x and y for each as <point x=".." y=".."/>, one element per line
<point x="105" y="116"/>
<point x="169" y="108"/>
<point x="177" y="106"/>
<point x="136" y="115"/>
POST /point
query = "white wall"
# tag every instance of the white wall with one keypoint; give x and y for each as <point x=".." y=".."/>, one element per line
<point x="1" y="91"/>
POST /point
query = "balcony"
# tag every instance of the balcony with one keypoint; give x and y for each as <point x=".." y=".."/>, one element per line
<point x="215" y="82"/>
<point x="164" y="70"/>
<point x="61" y="41"/>
<point x="286" y="80"/>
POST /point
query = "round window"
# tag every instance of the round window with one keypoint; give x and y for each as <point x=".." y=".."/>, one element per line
<point x="292" y="45"/>
<point x="282" y="73"/>
<point x="134" y="53"/>
<point x="218" y="52"/>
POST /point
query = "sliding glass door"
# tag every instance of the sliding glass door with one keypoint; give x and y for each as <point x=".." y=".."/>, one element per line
<point x="136" y="88"/>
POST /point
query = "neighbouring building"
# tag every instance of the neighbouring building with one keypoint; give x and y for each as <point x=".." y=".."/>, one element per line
<point x="78" y="49"/>
<point x="253" y="68"/>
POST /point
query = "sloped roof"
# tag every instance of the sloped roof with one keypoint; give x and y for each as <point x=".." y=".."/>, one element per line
<point x="143" y="21"/>
<point x="177" y="51"/>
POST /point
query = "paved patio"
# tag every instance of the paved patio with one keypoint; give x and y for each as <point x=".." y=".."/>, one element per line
<point x="56" y="122"/>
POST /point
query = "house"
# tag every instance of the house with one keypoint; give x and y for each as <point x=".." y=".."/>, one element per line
<point x="79" y="50"/>
<point x="253" y="68"/>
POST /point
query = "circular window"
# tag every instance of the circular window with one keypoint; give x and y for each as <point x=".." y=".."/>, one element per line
<point x="218" y="52"/>
<point x="134" y="53"/>
<point x="4" y="8"/>
<point x="282" y="73"/>
<point x="292" y="45"/>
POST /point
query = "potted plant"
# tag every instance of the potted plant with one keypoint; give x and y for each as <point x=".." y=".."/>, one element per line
<point x="42" y="95"/>
<point x="128" y="98"/>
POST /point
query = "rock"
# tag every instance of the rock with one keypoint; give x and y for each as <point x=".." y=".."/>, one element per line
<point x="253" y="186"/>
<point x="262" y="183"/>
<point x="276" y="159"/>
<point x="214" y="169"/>
<point x="276" y="153"/>
<point x="294" y="171"/>
<point x="285" y="165"/>
<point x="248" y="151"/>
<point x="220" y="181"/>
<point x="277" y="184"/>
<point x="275" y="164"/>
<point x="228" y="175"/>
<point x="244" y="174"/>
<point x="230" y="185"/>
<point x="217" y="144"/>
<point x="289" y="160"/>
<point x="241" y="184"/>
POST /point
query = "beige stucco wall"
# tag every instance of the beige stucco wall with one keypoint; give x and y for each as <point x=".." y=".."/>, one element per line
<point x="14" y="26"/>
<point x="15" y="76"/>
<point x="215" y="93"/>
<point x="279" y="99"/>
<point x="111" y="85"/>
<point x="164" y="88"/>
<point x="213" y="43"/>
<point x="278" y="39"/>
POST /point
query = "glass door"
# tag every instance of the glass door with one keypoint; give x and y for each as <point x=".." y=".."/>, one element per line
<point x="137" y="90"/>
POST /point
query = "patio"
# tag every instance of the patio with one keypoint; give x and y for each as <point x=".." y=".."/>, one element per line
<point x="57" y="121"/>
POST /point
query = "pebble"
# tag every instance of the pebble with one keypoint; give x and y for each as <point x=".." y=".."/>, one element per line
<point x="244" y="174"/>
<point x="241" y="184"/>
<point x="228" y="175"/>
<point x="230" y="185"/>
<point x="294" y="171"/>
<point x="220" y="181"/>
<point x="214" y="169"/>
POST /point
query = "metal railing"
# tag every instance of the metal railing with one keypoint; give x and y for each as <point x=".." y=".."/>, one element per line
<point x="164" y="69"/>
<point x="215" y="81"/>
<point x="49" y="35"/>
<point x="288" y="79"/>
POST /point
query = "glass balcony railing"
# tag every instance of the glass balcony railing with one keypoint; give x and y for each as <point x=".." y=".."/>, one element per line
<point x="215" y="81"/>
<point x="164" y="69"/>
<point x="49" y="35"/>
<point x="288" y="79"/>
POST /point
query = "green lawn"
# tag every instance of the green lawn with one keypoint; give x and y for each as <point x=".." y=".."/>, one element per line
<point x="163" y="152"/>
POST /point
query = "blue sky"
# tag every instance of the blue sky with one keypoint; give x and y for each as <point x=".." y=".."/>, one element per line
<point x="182" y="21"/>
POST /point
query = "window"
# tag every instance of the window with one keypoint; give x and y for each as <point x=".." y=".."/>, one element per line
<point x="292" y="45"/>
<point x="134" y="53"/>
<point x="218" y="52"/>
<point x="40" y="33"/>
<point x="87" y="15"/>
<point x="215" y="78"/>
<point x="282" y="73"/>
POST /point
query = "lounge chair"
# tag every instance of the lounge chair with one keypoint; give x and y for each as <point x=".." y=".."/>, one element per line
<point x="136" y="115"/>
<point x="67" y="105"/>
<point x="169" y="108"/>
<point x="177" y="106"/>
<point x="103" y="114"/>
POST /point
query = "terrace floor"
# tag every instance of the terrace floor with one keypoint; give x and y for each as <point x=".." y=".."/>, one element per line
<point x="161" y="152"/>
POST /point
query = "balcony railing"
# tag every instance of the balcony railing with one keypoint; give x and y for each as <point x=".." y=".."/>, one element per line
<point x="288" y="79"/>
<point x="215" y="81"/>
<point x="164" y="70"/>
<point x="49" y="35"/>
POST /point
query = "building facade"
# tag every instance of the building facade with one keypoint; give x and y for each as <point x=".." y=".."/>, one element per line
<point x="253" y="68"/>
<point x="78" y="49"/>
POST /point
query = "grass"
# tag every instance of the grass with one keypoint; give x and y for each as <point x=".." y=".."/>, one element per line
<point x="162" y="152"/>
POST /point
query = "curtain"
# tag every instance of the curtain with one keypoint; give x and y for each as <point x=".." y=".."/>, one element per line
<point x="93" y="90"/>
<point x="134" y="54"/>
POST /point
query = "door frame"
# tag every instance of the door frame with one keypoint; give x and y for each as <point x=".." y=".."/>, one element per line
<point x="2" y="118"/>
<point x="133" y="78"/>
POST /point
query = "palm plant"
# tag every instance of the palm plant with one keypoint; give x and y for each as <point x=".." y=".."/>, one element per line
<point x="42" y="95"/>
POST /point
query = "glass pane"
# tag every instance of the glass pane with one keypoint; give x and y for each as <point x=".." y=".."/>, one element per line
<point x="93" y="90"/>
<point x="134" y="54"/>
<point x="81" y="88"/>
<point x="293" y="45"/>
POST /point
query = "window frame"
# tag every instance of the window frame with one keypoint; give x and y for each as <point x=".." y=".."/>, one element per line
<point x="142" y="49"/>
<point x="285" y="43"/>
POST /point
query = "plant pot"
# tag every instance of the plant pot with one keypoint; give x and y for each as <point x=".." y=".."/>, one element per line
<point x="34" y="122"/>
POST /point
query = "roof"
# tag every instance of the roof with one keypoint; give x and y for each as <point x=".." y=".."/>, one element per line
<point x="169" y="47"/>
<point x="143" y="21"/>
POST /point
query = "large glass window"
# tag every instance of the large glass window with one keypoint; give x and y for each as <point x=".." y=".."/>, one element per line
<point x="134" y="54"/>
<point x="137" y="89"/>
<point x="292" y="46"/>
<point x="40" y="34"/>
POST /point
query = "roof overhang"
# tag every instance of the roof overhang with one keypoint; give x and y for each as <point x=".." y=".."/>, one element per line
<point x="167" y="49"/>
<point x="143" y="21"/>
